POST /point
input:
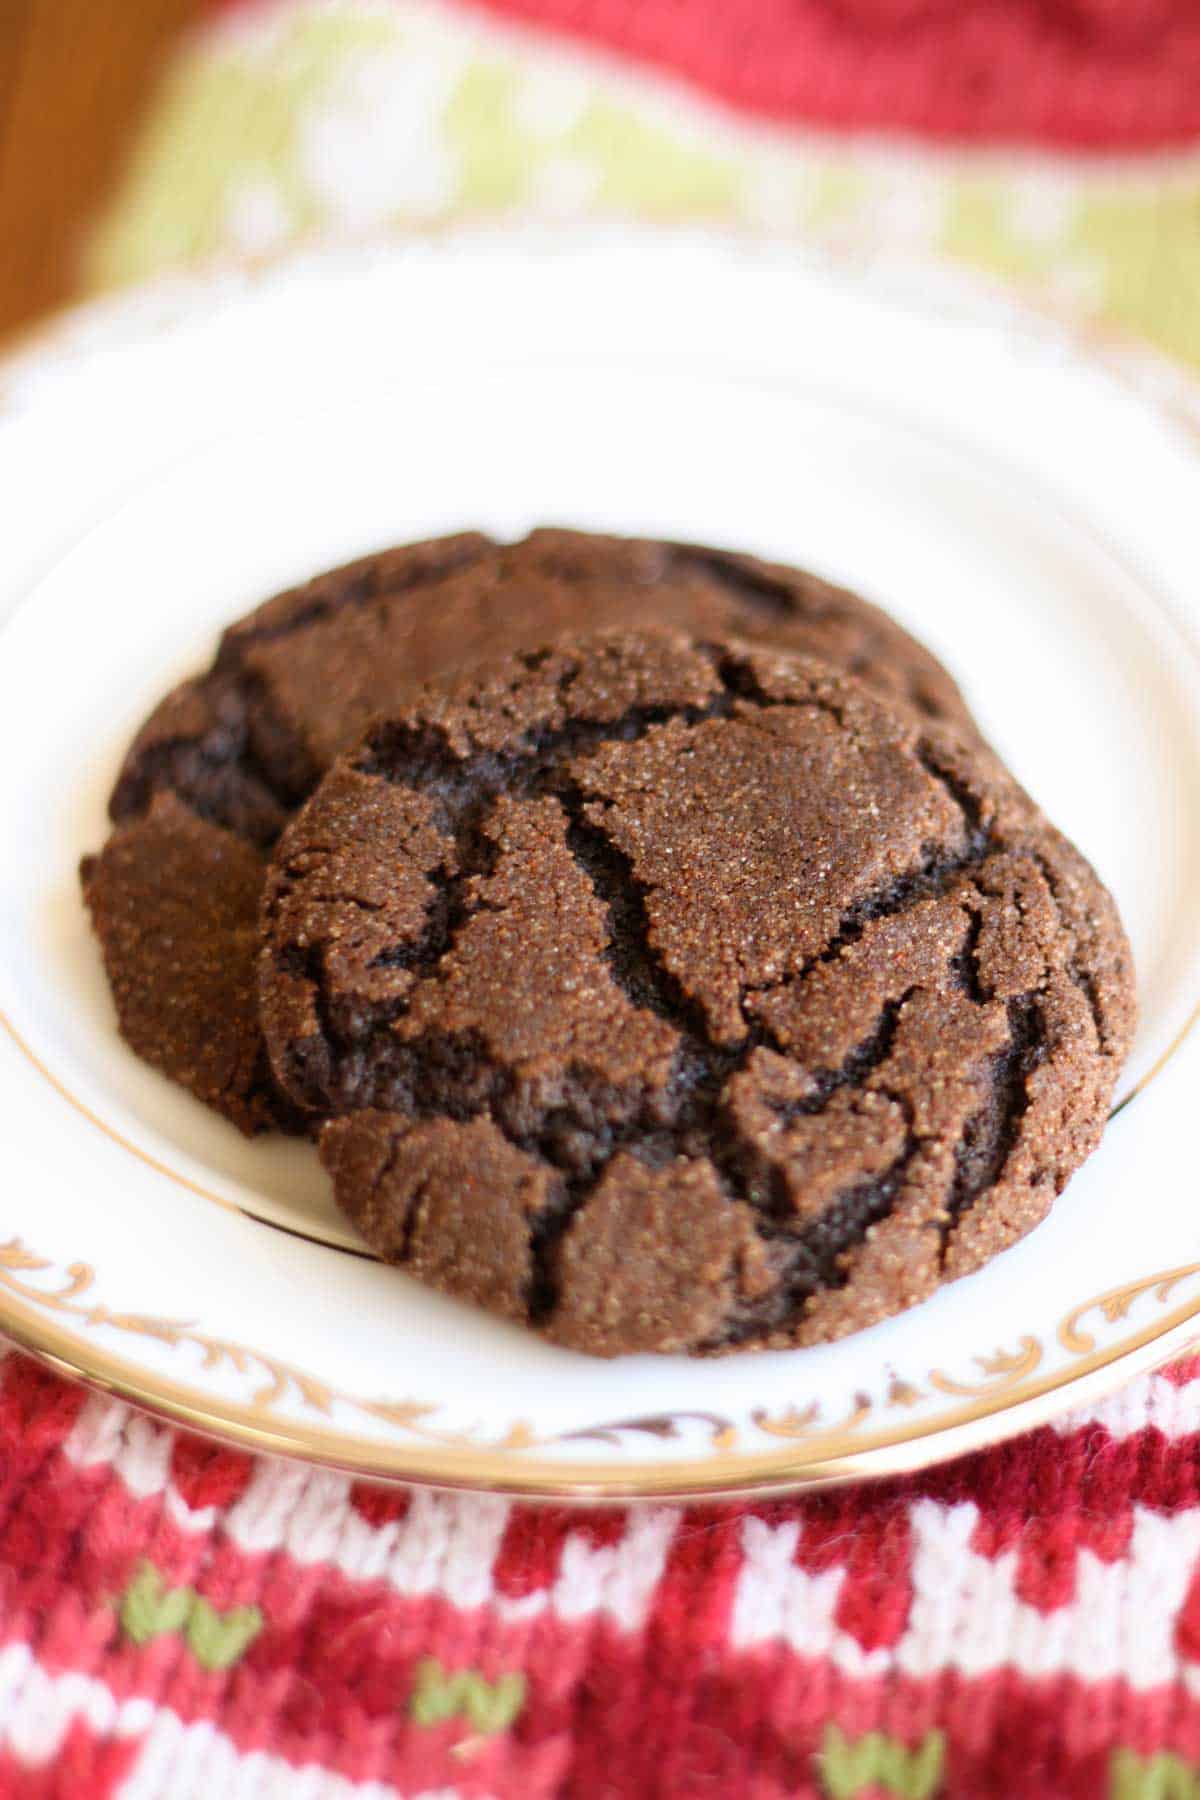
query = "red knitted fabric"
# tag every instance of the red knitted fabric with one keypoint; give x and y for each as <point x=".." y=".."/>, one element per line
<point x="182" y="1622"/>
<point x="1084" y="74"/>
<point x="1091" y="74"/>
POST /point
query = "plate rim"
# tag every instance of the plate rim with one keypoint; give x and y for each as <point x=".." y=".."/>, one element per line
<point x="821" y="1458"/>
<point x="724" y="1475"/>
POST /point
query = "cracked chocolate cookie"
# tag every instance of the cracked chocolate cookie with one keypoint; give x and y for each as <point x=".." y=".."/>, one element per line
<point x="679" y="994"/>
<point x="297" y="681"/>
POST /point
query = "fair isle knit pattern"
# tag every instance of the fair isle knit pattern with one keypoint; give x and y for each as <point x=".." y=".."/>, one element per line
<point x="289" y="121"/>
<point x="180" y="1621"/>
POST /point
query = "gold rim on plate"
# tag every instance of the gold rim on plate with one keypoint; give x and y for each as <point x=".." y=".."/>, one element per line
<point x="815" y="1459"/>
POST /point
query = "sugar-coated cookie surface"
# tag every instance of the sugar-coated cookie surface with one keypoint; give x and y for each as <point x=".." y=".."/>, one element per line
<point x="174" y="903"/>
<point x="296" y="681"/>
<point x="667" y="992"/>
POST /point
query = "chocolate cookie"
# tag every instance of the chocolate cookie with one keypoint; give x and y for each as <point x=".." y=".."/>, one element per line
<point x="681" y="995"/>
<point x="297" y="681"/>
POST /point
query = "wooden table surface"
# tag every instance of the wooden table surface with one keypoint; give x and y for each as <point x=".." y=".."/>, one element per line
<point x="75" y="76"/>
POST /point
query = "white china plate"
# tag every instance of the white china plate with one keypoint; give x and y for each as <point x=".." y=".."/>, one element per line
<point x="168" y="460"/>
